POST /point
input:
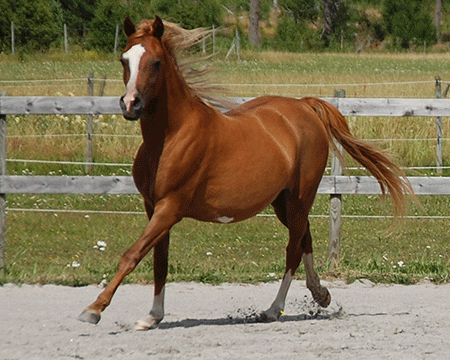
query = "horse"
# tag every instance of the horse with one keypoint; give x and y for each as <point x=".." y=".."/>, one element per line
<point x="200" y="163"/>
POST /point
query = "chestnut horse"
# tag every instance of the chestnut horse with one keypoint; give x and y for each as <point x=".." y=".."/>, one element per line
<point x="199" y="163"/>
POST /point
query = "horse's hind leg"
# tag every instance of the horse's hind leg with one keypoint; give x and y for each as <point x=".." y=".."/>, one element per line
<point x="299" y="246"/>
<point x="288" y="214"/>
<point x="319" y="293"/>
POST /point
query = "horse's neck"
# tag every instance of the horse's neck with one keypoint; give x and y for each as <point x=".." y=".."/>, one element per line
<point x="168" y="113"/>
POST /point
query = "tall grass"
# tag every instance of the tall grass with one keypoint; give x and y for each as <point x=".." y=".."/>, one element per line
<point x="41" y="247"/>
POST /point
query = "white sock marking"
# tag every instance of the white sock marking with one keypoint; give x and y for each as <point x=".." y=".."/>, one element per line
<point x="277" y="306"/>
<point x="158" y="305"/>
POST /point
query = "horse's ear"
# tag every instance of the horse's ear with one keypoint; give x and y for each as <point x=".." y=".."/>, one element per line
<point x="128" y="27"/>
<point x="158" y="27"/>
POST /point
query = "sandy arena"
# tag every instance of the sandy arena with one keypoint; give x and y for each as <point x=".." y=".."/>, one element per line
<point x="219" y="322"/>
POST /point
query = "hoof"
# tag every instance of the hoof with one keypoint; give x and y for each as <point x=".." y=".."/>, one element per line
<point x="268" y="316"/>
<point x="89" y="316"/>
<point x="148" y="323"/>
<point x="323" y="298"/>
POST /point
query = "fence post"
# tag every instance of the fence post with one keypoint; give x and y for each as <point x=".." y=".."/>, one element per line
<point x="439" y="161"/>
<point x="116" y="39"/>
<point x="335" y="207"/>
<point x="214" y="39"/>
<point x="89" y="126"/>
<point x="238" y="45"/>
<point x="13" y="39"/>
<point x="235" y="45"/>
<point x="2" y="196"/>
<point x="66" y="40"/>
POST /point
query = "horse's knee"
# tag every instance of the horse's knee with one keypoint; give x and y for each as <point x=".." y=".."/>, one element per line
<point x="127" y="262"/>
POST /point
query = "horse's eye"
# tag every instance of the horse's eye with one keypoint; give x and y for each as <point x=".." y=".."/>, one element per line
<point x="157" y="64"/>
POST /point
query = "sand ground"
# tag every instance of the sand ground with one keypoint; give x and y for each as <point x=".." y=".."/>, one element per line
<point x="364" y="321"/>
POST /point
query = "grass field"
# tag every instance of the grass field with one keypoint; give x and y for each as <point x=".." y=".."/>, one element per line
<point x="42" y="247"/>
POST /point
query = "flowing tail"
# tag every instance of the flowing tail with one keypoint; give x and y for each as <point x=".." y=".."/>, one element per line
<point x="391" y="178"/>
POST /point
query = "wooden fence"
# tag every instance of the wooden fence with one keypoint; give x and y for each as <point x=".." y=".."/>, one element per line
<point x="335" y="185"/>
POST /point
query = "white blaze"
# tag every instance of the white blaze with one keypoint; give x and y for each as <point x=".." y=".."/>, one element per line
<point x="133" y="56"/>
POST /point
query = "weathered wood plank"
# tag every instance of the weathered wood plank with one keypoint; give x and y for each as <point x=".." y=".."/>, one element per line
<point x="67" y="185"/>
<point x="82" y="105"/>
<point x="366" y="185"/>
<point x="392" y="107"/>
<point x="25" y="105"/>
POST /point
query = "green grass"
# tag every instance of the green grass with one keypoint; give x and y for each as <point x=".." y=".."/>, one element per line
<point x="40" y="246"/>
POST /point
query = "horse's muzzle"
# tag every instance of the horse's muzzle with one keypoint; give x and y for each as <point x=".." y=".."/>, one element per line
<point x="135" y="111"/>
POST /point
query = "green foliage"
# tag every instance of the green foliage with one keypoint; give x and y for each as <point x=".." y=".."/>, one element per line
<point x="108" y="14"/>
<point x="300" y="24"/>
<point x="202" y="13"/>
<point x="77" y="16"/>
<point x="301" y="10"/>
<point x="38" y="24"/>
<point x="409" y="23"/>
<point x="295" y="36"/>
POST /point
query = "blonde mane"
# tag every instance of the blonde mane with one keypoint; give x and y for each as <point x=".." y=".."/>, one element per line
<point x="174" y="39"/>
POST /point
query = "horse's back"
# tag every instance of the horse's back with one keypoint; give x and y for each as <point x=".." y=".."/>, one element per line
<point x="289" y="119"/>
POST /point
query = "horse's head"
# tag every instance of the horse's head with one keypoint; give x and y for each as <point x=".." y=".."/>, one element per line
<point x="142" y="61"/>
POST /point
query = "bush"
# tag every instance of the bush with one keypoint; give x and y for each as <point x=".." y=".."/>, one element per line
<point x="38" y="24"/>
<point x="296" y="36"/>
<point x="409" y="22"/>
<point x="189" y="14"/>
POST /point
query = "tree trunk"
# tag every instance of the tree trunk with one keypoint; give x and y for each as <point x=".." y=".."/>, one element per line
<point x="254" y="23"/>
<point x="330" y="13"/>
<point x="437" y="20"/>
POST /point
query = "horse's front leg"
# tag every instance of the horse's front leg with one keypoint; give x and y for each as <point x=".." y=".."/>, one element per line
<point x="157" y="230"/>
<point x="160" y="265"/>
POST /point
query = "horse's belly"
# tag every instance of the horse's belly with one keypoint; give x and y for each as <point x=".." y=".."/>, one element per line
<point x="239" y="197"/>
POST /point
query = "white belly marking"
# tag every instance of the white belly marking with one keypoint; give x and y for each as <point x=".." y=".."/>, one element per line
<point x="225" y="219"/>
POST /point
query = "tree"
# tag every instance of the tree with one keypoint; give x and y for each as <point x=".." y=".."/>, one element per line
<point x="335" y="17"/>
<point x="254" y="23"/>
<point x="301" y="10"/>
<point x="409" y="22"/>
<point x="78" y="14"/>
<point x="190" y="13"/>
<point x="5" y="24"/>
<point x="437" y="20"/>
<point x="108" y="14"/>
<point x="38" y="24"/>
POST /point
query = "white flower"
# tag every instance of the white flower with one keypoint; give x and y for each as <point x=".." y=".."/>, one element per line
<point x="209" y="253"/>
<point x="101" y="245"/>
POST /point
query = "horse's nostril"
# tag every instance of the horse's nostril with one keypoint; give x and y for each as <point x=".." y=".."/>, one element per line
<point x="137" y="104"/>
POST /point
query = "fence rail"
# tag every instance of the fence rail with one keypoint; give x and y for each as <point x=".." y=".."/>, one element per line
<point x="124" y="185"/>
<point x="86" y="105"/>
<point x="334" y="185"/>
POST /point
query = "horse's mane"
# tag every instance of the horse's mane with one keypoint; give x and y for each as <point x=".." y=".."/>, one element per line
<point x="175" y="39"/>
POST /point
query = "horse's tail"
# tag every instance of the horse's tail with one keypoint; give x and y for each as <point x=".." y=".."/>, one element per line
<point x="390" y="177"/>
